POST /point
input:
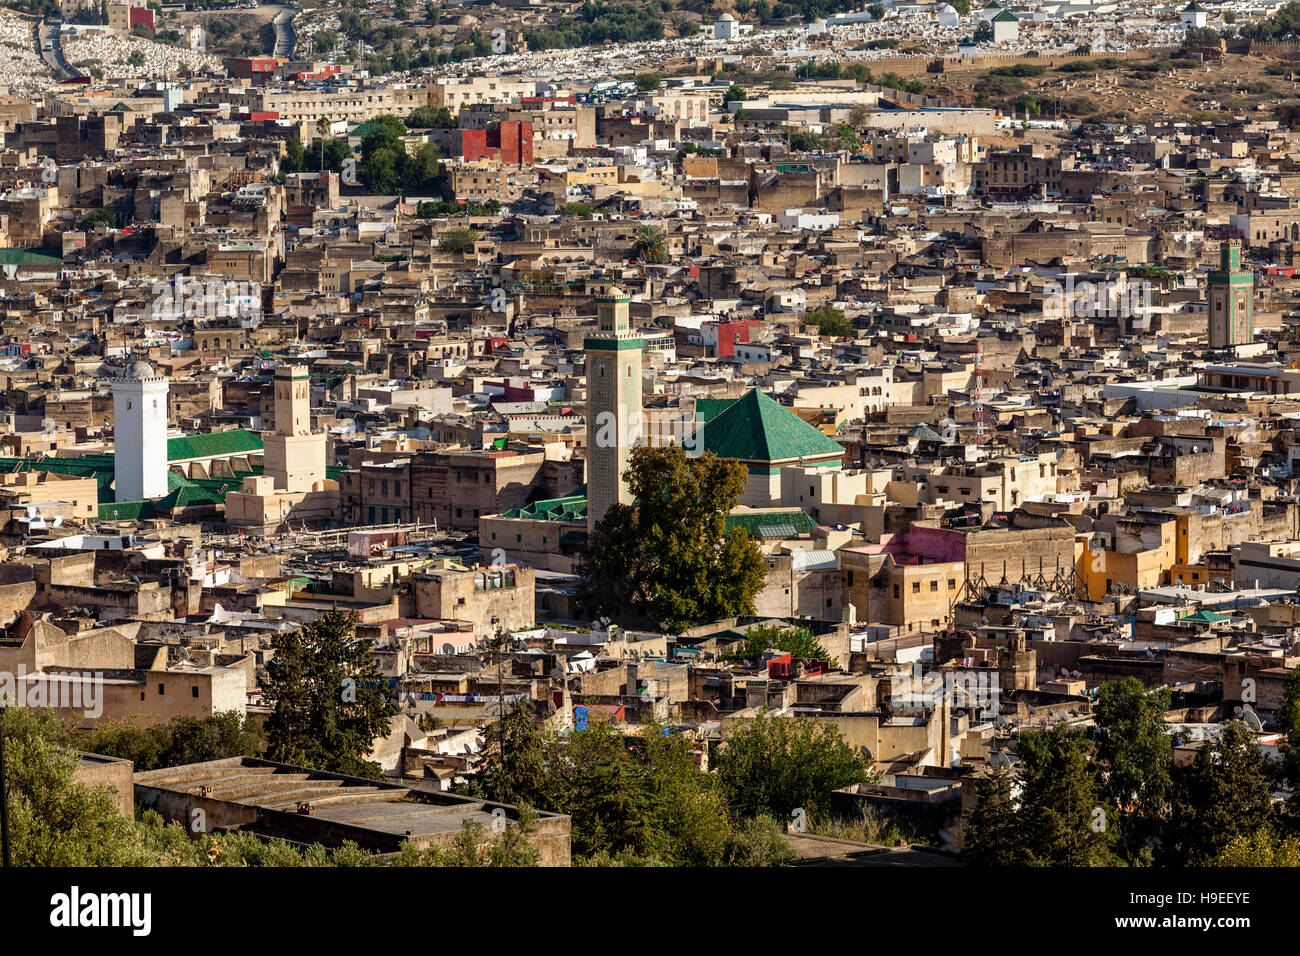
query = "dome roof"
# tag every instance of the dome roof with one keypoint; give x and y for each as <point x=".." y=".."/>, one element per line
<point x="726" y="18"/>
<point x="140" y="369"/>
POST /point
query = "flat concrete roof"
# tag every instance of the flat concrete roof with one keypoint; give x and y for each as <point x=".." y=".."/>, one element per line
<point x="319" y="805"/>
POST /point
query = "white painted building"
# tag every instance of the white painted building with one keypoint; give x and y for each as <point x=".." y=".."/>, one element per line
<point x="1194" y="15"/>
<point x="1006" y="27"/>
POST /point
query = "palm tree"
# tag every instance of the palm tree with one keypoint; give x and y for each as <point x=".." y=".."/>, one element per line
<point x="323" y="128"/>
<point x="650" y="244"/>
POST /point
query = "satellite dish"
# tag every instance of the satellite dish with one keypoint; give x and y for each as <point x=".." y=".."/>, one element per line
<point x="999" y="761"/>
<point x="1251" y="719"/>
<point x="1000" y="722"/>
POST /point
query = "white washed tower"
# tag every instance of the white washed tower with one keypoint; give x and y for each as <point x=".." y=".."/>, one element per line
<point x="139" y="434"/>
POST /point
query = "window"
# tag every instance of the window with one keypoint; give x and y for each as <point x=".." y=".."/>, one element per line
<point x="934" y="585"/>
<point x="952" y="584"/>
<point x="194" y="690"/>
<point x="916" y="587"/>
<point x="160" y="690"/>
<point x="895" y="590"/>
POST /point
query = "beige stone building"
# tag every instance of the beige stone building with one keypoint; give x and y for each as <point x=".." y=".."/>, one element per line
<point x="491" y="596"/>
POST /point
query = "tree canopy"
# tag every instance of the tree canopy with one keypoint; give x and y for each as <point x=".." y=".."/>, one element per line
<point x="631" y="801"/>
<point x="798" y="642"/>
<point x="329" y="697"/>
<point x="669" y="557"/>
<point x="775" y="765"/>
<point x="388" y="167"/>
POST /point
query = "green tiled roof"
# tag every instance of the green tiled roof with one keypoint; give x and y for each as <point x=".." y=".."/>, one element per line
<point x="126" y="510"/>
<point x="99" y="467"/>
<point x="570" y="508"/>
<point x="758" y="429"/>
<point x="190" y="496"/>
<point x="212" y="444"/>
<point x="706" y="408"/>
<point x="181" y="491"/>
<point x="30" y="256"/>
<point x="768" y="525"/>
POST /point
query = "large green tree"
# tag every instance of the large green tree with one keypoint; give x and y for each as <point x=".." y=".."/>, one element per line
<point x="55" y="820"/>
<point x="638" y="801"/>
<point x="775" y="765"/>
<point x="388" y="167"/>
<point x="1134" y="752"/>
<point x="330" y="699"/>
<point x="669" y="556"/>
<point x="1062" y="817"/>
<point x="993" y="830"/>
<point x="1223" y="795"/>
<point x="830" y="321"/>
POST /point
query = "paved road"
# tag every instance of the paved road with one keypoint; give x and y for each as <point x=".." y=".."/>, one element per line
<point x="286" y="38"/>
<point x="48" y="32"/>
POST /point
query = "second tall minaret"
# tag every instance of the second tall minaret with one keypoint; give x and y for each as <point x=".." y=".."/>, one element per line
<point x="613" y="405"/>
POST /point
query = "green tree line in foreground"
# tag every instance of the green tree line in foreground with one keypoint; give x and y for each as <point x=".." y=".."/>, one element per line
<point x="1113" y="794"/>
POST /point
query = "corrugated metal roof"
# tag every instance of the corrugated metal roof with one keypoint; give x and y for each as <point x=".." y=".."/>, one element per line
<point x="815" y="561"/>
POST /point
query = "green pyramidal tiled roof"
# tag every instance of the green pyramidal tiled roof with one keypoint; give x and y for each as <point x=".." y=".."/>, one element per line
<point x="758" y="429"/>
<point x="707" y="408"/>
<point x="1006" y="16"/>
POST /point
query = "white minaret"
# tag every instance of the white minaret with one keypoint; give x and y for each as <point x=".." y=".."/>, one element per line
<point x="139" y="434"/>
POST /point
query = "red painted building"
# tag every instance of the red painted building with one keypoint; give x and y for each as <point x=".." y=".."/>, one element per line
<point x="509" y="142"/>
<point x="723" y="335"/>
<point x="252" y="67"/>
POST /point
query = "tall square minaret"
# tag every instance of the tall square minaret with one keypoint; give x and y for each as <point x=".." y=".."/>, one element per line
<point x="613" y="405"/>
<point x="139" y="434"/>
<point x="1230" y="300"/>
<point x="293" y="454"/>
